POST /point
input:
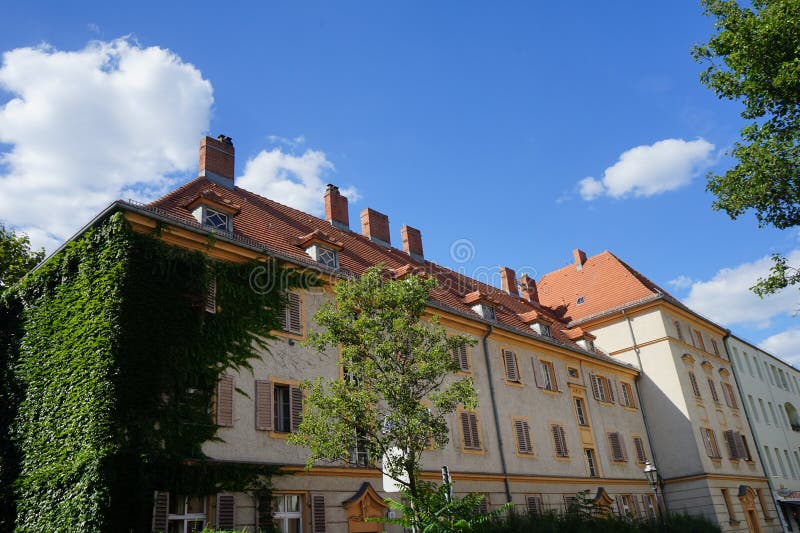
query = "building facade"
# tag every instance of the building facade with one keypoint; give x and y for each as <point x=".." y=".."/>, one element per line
<point x="771" y="392"/>
<point x="702" y="443"/>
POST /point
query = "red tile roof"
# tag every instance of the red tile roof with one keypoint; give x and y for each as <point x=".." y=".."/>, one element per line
<point x="604" y="282"/>
<point x="281" y="228"/>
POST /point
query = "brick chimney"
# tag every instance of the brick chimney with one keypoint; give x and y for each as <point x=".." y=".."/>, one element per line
<point x="336" y="211"/>
<point x="508" y="281"/>
<point x="375" y="226"/>
<point x="580" y="258"/>
<point x="216" y="160"/>
<point x="412" y="242"/>
<point x="529" y="290"/>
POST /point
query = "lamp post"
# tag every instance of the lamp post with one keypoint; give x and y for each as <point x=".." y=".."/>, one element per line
<point x="651" y="472"/>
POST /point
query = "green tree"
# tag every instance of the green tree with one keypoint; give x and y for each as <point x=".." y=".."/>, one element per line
<point x="754" y="58"/>
<point x="16" y="257"/>
<point x="398" y="381"/>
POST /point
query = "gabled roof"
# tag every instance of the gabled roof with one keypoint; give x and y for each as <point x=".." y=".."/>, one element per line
<point x="279" y="228"/>
<point x="604" y="282"/>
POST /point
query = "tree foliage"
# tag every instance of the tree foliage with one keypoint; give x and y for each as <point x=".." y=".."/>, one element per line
<point x="16" y="257"/>
<point x="754" y="58"/>
<point x="398" y="384"/>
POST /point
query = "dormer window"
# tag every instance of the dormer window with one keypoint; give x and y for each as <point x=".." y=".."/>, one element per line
<point x="542" y="329"/>
<point x="586" y="344"/>
<point x="485" y="311"/>
<point x="324" y="256"/>
<point x="215" y="219"/>
<point x="213" y="211"/>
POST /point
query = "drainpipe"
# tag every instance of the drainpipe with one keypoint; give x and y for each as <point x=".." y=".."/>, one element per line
<point x="747" y="415"/>
<point x="643" y="410"/>
<point x="488" y="362"/>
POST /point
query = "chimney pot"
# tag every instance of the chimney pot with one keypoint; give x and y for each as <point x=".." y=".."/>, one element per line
<point x="529" y="290"/>
<point x="336" y="210"/>
<point x="508" y="280"/>
<point x="217" y="160"/>
<point x="412" y="242"/>
<point x="375" y="226"/>
<point x="580" y="258"/>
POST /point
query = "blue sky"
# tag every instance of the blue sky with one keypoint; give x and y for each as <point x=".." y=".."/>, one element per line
<point x="468" y="120"/>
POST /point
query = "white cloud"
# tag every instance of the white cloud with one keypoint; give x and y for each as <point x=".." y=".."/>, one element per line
<point x="292" y="142"/>
<point x="785" y="345"/>
<point x="726" y="298"/>
<point x="88" y="126"/>
<point x="681" y="282"/>
<point x="648" y="170"/>
<point x="293" y="180"/>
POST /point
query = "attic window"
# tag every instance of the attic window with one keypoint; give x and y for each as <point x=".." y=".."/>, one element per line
<point x="324" y="256"/>
<point x="542" y="329"/>
<point x="485" y="310"/>
<point x="213" y="218"/>
<point x="580" y="300"/>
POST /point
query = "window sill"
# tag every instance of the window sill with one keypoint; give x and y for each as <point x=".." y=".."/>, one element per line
<point x="518" y="384"/>
<point x="550" y="391"/>
<point x="473" y="451"/>
<point x="279" y="434"/>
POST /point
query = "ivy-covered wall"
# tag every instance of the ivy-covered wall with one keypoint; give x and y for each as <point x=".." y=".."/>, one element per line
<point x="116" y="366"/>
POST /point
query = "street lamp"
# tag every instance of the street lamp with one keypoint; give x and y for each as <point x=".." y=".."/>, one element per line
<point x="651" y="472"/>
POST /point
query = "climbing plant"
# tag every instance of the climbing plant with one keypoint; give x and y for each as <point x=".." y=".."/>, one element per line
<point x="116" y="361"/>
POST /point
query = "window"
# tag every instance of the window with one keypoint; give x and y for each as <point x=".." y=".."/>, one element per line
<point x="713" y="389"/>
<point x="772" y="472"/>
<point x="763" y="411"/>
<point x="534" y="505"/>
<point x="510" y="363"/>
<point x="324" y="255"/>
<point x="764" y="507"/>
<point x="225" y="401"/>
<point x="678" y="330"/>
<point x="573" y="372"/>
<point x="780" y="462"/>
<point x="185" y="513"/>
<point x="695" y="386"/>
<point x="729" y="505"/>
<point x="292" y="319"/>
<point x="617" y="446"/>
<point x="730" y="397"/>
<point x="641" y="456"/>
<point x="559" y="440"/>
<point x="523" y="434"/>
<point x="772" y="410"/>
<point x="545" y="375"/>
<point x="758" y="368"/>
<point x="470" y="433"/>
<point x="460" y="357"/>
<point x="710" y="442"/>
<point x="715" y="347"/>
<point x="737" y="446"/>
<point x="601" y="388"/>
<point x="287" y="512"/>
<point x="591" y="463"/>
<point x="211" y="295"/>
<point x="359" y="455"/>
<point x="279" y="406"/>
<point x="753" y="407"/>
<point x="215" y="219"/>
<point x="546" y="331"/>
<point x="580" y="300"/>
<point x="789" y="462"/>
<point x="627" y="395"/>
<point x="485" y="311"/>
<point x="580" y="412"/>
<point x="699" y="337"/>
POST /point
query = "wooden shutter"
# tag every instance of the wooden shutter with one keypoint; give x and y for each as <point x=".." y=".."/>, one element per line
<point x="534" y="505"/>
<point x="296" y="407"/>
<point x="741" y="446"/>
<point x="510" y="361"/>
<point x="483" y="507"/>
<point x="225" y="511"/>
<point x="522" y="431"/>
<point x="551" y="369"/>
<point x="595" y="387"/>
<point x="225" y="401"/>
<point x="730" y="440"/>
<point x="636" y="511"/>
<point x="537" y="372"/>
<point x="318" y="522"/>
<point x="211" y="295"/>
<point x="638" y="443"/>
<point x="264" y="403"/>
<point x="469" y="428"/>
<point x="460" y="357"/>
<point x="617" y="450"/>
<point x="559" y="440"/>
<point x="631" y="394"/>
<point x="609" y="389"/>
<point x="620" y="396"/>
<point x="713" y="389"/>
<point x="292" y="321"/>
<point x="160" y="510"/>
<point x="695" y="386"/>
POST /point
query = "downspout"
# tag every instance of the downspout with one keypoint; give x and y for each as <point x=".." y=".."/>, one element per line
<point x="643" y="410"/>
<point x="488" y="362"/>
<point x="757" y="443"/>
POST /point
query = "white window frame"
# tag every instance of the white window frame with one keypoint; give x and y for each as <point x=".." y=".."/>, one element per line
<point x="185" y="518"/>
<point x="281" y="518"/>
<point x="318" y="254"/>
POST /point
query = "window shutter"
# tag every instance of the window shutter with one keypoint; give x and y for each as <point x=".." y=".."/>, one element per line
<point x="632" y="396"/>
<point x="264" y="400"/>
<point x="726" y="392"/>
<point x="636" y="512"/>
<point x="483" y="507"/>
<point x="553" y="379"/>
<point x="707" y="442"/>
<point x="225" y="511"/>
<point x="296" y="407"/>
<point x="595" y="387"/>
<point x="225" y="401"/>
<point x="638" y="443"/>
<point x="460" y="357"/>
<point x="741" y="446"/>
<point x="537" y="372"/>
<point x="713" y="389"/>
<point x="617" y="452"/>
<point x="609" y="390"/>
<point x="160" y="510"/>
<point x="211" y="295"/>
<point x="620" y="396"/>
<point x="734" y="403"/>
<point x="560" y="441"/>
<point x="476" y="439"/>
<point x="522" y="430"/>
<point x="318" y="522"/>
<point x="534" y="505"/>
<point x="730" y="440"/>
<point x="620" y="506"/>
<point x="510" y="359"/>
<point x="292" y="321"/>
<point x="466" y="434"/>
<point x="469" y="428"/>
<point x="695" y="386"/>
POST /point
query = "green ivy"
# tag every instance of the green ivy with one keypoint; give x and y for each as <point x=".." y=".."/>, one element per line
<point x="115" y="366"/>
